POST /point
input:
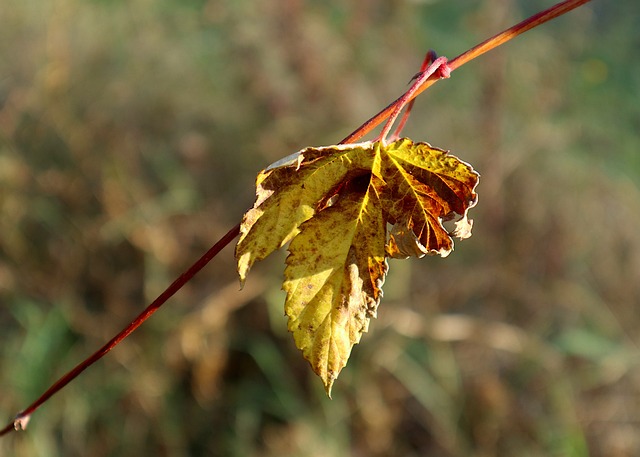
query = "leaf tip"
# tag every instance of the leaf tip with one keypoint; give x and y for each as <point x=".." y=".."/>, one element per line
<point x="328" y="385"/>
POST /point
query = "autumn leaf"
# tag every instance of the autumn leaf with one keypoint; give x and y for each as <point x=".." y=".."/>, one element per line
<point x="335" y="205"/>
<point x="333" y="280"/>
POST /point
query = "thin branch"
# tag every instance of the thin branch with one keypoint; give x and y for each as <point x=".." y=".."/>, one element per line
<point x="493" y="42"/>
<point x="22" y="418"/>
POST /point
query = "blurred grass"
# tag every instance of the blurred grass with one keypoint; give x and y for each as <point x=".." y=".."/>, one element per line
<point x="130" y="135"/>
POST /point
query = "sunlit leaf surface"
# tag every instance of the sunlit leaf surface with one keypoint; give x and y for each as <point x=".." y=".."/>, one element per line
<point x="345" y="209"/>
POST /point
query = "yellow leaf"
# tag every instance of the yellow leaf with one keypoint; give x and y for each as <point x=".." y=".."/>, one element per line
<point x="289" y="194"/>
<point x="333" y="280"/>
<point x="335" y="205"/>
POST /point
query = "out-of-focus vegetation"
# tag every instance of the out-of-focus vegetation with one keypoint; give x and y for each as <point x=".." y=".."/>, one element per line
<point x="130" y="135"/>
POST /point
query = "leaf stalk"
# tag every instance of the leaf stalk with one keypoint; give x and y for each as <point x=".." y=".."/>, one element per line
<point x="486" y="46"/>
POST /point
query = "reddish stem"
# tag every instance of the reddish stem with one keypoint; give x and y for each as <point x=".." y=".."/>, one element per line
<point x="22" y="418"/>
<point x="428" y="60"/>
<point x="487" y="45"/>
<point x="439" y="65"/>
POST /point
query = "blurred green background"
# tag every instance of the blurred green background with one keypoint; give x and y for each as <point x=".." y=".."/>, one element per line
<point x="130" y="136"/>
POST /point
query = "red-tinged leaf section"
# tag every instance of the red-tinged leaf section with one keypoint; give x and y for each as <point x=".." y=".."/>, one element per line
<point x="421" y="187"/>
